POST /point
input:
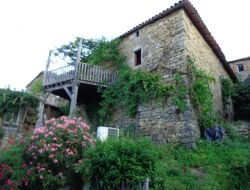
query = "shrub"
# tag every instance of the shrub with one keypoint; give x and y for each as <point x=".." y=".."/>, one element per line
<point x="55" y="149"/>
<point x="1" y="133"/>
<point x="119" y="160"/>
<point x="13" y="170"/>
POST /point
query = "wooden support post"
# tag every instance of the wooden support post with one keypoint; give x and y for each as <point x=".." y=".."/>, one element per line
<point x="40" y="120"/>
<point x="73" y="101"/>
<point x="75" y="83"/>
<point x="68" y="92"/>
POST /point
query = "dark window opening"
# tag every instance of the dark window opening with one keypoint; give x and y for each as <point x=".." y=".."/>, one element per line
<point x="137" y="33"/>
<point x="137" y="57"/>
<point x="240" y="67"/>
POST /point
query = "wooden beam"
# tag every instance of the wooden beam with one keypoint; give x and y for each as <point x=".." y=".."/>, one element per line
<point x="40" y="120"/>
<point x="75" y="83"/>
<point x="50" y="89"/>
<point x="68" y="92"/>
<point x="73" y="102"/>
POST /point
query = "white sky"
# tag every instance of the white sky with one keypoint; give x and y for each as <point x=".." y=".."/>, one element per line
<point x="29" y="28"/>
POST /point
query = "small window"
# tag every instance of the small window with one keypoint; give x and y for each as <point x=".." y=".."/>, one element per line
<point x="240" y="67"/>
<point x="137" y="57"/>
<point x="137" y="33"/>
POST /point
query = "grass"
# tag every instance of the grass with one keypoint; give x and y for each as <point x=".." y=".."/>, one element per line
<point x="210" y="166"/>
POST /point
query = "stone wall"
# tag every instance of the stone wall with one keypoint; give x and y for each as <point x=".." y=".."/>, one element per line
<point x="243" y="74"/>
<point x="163" y="51"/>
<point x="204" y="58"/>
<point x="161" y="44"/>
<point x="164" y="46"/>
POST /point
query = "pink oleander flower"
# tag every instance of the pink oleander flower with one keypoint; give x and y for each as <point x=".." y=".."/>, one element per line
<point x="39" y="130"/>
<point x="61" y="141"/>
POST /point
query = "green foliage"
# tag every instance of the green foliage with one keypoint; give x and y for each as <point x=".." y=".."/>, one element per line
<point x="1" y="132"/>
<point x="64" y="108"/>
<point x="178" y="91"/>
<point x="119" y="160"/>
<point x="13" y="170"/>
<point x="70" y="50"/>
<point x="11" y="101"/>
<point x="98" y="52"/>
<point x="227" y="90"/>
<point x="210" y="166"/>
<point x="107" y="54"/>
<point x="132" y="88"/>
<point x="201" y="94"/>
<point x="241" y="101"/>
<point x="37" y="87"/>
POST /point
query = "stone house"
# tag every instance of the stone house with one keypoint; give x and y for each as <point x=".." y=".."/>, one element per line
<point x="160" y="44"/>
<point x="52" y="103"/>
<point x="241" y="68"/>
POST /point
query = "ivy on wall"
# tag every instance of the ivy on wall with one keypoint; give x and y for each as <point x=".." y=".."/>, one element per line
<point x="132" y="88"/>
<point x="227" y="90"/>
<point x="137" y="87"/>
<point x="201" y="95"/>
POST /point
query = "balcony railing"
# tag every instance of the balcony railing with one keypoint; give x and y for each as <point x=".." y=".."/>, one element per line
<point x="86" y="73"/>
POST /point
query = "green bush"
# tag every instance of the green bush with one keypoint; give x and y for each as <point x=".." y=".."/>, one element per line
<point x="241" y="101"/>
<point x="119" y="160"/>
<point x="13" y="170"/>
<point x="1" y="133"/>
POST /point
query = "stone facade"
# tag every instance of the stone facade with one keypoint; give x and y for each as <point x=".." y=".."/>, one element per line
<point x="204" y="57"/>
<point x="164" y="45"/>
<point x="161" y="43"/>
<point x="163" y="50"/>
<point x="244" y="63"/>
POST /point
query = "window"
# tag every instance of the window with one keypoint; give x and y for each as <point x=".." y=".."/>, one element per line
<point x="240" y="67"/>
<point x="137" y="57"/>
<point x="137" y="33"/>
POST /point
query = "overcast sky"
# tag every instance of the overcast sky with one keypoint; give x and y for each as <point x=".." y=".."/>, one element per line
<point x="30" y="28"/>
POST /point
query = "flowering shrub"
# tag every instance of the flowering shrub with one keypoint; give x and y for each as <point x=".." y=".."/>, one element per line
<point x="14" y="173"/>
<point x="56" y="149"/>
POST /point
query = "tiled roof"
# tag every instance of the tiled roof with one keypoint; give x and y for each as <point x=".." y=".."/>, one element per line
<point x="241" y="59"/>
<point x="198" y="22"/>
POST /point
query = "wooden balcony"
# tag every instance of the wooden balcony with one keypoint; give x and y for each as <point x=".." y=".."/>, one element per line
<point x="85" y="73"/>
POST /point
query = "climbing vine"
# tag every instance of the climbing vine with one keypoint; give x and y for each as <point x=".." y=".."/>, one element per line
<point x="227" y="90"/>
<point x="178" y="91"/>
<point x="132" y="88"/>
<point x="11" y="101"/>
<point x="201" y="95"/>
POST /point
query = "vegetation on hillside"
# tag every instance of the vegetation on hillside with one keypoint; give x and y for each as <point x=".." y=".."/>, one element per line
<point x="35" y="163"/>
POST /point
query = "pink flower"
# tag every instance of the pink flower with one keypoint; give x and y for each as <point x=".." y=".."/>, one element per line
<point x="39" y="130"/>
<point x="52" y="156"/>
